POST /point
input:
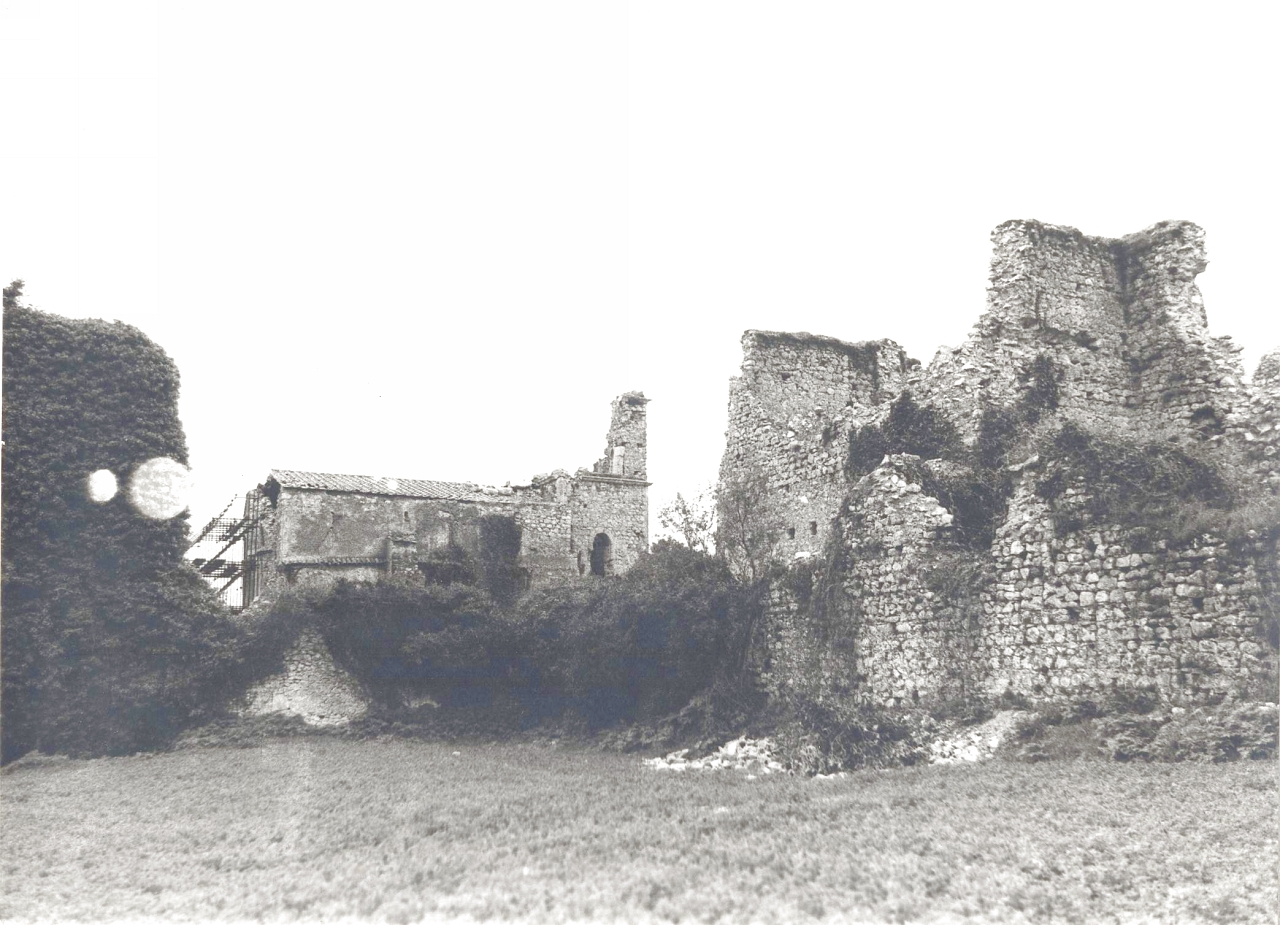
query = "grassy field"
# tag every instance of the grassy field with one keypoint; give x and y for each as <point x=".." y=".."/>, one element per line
<point x="409" y="831"/>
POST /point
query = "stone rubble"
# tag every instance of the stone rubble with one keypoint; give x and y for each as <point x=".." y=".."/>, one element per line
<point x="976" y="743"/>
<point x="740" y="754"/>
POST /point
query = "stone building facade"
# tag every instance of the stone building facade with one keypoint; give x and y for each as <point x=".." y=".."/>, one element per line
<point x="310" y="529"/>
<point x="902" y="612"/>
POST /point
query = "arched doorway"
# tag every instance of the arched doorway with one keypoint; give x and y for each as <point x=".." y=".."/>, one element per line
<point x="601" y="555"/>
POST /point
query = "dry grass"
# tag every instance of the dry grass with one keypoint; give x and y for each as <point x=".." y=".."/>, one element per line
<point x="408" y="831"/>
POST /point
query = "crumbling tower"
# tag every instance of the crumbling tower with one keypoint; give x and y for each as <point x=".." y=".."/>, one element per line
<point x="624" y="454"/>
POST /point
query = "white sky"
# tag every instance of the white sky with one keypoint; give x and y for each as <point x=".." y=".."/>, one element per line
<point x="435" y="239"/>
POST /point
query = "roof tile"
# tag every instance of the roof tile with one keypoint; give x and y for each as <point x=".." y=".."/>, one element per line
<point x="400" y="488"/>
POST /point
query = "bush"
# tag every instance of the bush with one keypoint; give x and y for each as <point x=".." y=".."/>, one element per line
<point x="909" y="428"/>
<point x="402" y="641"/>
<point x="639" y="647"/>
<point x="977" y="499"/>
<point x="822" y="737"/>
<point x="1133" y="485"/>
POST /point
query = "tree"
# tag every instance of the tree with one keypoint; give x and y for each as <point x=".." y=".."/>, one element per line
<point x="748" y="525"/>
<point x="13" y="294"/>
<point x="691" y="521"/>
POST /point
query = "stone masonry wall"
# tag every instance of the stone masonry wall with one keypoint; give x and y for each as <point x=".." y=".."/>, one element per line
<point x="1121" y="320"/>
<point x="1047" y="614"/>
<point x="617" y="508"/>
<point x="310" y="686"/>
<point x="790" y="412"/>
<point x="1075" y="616"/>
<point x="893" y="623"/>
<point x="1053" y="618"/>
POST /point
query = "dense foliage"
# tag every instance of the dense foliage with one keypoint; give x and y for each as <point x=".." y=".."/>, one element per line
<point x="643" y="645"/>
<point x="1139" y="485"/>
<point x="635" y="648"/>
<point x="110" y="642"/>
<point x="909" y="428"/>
<point x="441" y="641"/>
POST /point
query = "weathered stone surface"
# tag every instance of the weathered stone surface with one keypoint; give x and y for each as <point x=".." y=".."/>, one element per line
<point x="1053" y="615"/>
<point x="311" y="686"/>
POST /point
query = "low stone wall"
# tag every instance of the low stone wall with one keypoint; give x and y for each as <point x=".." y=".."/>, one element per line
<point x="311" y="686"/>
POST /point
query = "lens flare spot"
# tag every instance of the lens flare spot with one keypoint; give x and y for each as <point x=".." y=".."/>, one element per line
<point x="102" y="486"/>
<point x="160" y="488"/>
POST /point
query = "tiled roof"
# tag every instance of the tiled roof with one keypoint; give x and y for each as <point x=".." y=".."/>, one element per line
<point x="400" y="488"/>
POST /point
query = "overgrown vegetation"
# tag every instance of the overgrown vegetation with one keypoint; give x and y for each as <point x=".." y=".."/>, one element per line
<point x="1148" y="486"/>
<point x="635" y="649"/>
<point x="909" y="428"/>
<point x="111" y="643"/>
<point x="1132" y="725"/>
<point x="975" y="487"/>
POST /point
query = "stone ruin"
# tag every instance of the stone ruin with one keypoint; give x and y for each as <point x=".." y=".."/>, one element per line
<point x="875" y="599"/>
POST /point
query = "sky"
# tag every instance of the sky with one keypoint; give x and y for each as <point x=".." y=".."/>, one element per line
<point x="434" y="240"/>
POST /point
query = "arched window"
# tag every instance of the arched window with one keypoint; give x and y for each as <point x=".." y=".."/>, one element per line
<point x="601" y="555"/>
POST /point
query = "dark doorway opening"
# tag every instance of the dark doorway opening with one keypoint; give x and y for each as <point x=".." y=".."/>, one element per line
<point x="601" y="555"/>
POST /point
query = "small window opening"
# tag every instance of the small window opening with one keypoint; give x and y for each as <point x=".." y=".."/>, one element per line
<point x="335" y="519"/>
<point x="791" y="533"/>
<point x="1197" y="603"/>
<point x="786" y="376"/>
<point x="813" y="528"/>
<point x="406" y="516"/>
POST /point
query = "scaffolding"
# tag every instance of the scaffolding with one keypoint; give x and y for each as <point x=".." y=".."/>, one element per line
<point x="217" y="553"/>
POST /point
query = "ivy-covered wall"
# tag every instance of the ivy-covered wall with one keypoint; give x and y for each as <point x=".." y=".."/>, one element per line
<point x="110" y="642"/>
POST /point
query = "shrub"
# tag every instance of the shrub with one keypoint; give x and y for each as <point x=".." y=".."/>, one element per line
<point x="909" y="428"/>
<point x="639" y="647"/>
<point x="976" y="497"/>
<point x="400" y="641"/>
<point x="1130" y="484"/>
<point x="825" y="736"/>
<point x="500" y="573"/>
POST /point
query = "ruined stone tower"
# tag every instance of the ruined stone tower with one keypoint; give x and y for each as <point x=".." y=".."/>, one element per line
<point x="1058" y="598"/>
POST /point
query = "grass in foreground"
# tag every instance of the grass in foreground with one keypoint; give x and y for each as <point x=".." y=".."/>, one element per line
<point x="403" y="831"/>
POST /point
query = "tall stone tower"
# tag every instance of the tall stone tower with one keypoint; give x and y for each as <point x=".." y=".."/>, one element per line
<point x="610" y="504"/>
<point x="624" y="454"/>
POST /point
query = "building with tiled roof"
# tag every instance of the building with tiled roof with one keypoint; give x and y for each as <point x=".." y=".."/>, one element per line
<point x="312" y="528"/>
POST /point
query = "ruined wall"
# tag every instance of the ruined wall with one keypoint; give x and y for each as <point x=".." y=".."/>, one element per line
<point x="1045" y="612"/>
<point x="1074" y="616"/>
<point x="1053" y="617"/>
<point x="872" y="617"/>
<point x="311" y="686"/>
<point x="790" y="412"/>
<point x="617" y="509"/>
<point x="1255" y="433"/>
<point x="1121" y="320"/>
<point x="311" y="537"/>
<point x="626" y="449"/>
